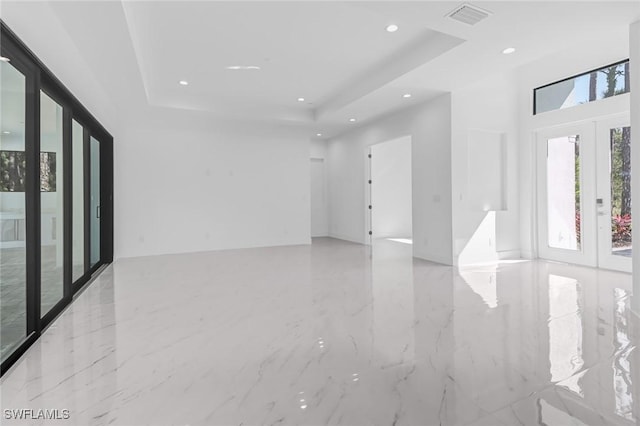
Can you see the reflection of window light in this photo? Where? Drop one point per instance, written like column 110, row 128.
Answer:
column 550, row 415
column 622, row 382
column 484, row 284
column 573, row 383
column 565, row 329
column 401, row 240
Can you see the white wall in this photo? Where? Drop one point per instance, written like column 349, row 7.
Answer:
column 590, row 55
column 445, row 211
column 485, row 228
column 429, row 125
column 318, row 149
column 187, row 183
column 59, row 52
column 183, row 180
column 391, row 189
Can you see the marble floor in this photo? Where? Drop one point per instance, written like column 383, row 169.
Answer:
column 336, row 333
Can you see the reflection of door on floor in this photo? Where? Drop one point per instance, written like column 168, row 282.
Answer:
column 584, row 194
column 390, row 190
column 319, row 213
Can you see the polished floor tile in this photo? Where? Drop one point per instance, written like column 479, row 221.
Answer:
column 336, row 333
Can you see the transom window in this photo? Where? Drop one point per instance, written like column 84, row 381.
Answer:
column 591, row 86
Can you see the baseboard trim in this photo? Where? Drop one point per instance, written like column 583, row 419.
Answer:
column 345, row 238
column 527, row 255
column 433, row 258
column 509, row 254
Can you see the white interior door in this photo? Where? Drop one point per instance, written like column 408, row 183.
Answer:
column 614, row 193
column 319, row 213
column 566, row 194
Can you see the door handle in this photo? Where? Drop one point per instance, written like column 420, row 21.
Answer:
column 98, row 212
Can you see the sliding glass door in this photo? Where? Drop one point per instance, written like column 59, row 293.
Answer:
column 13, row 230
column 95, row 201
column 56, row 183
column 78, row 266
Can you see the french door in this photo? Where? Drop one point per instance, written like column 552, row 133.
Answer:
column 584, row 198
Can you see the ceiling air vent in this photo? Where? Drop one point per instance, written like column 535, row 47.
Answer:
column 468, row 14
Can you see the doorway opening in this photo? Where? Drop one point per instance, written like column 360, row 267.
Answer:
column 319, row 213
column 390, row 191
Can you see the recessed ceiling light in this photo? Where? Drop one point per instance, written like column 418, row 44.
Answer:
column 509, row 50
column 406, row 95
column 6, row 132
column 352, row 120
column 300, row 99
column 392, row 28
column 318, row 134
column 243, row 67
column 183, row 83
column 3, row 59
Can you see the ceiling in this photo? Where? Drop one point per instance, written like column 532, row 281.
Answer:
column 336, row 55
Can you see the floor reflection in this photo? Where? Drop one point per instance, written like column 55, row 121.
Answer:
column 338, row 333
column 565, row 328
column 622, row 381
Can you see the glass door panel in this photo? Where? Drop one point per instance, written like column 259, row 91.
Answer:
column 51, row 204
column 620, row 180
column 77, row 173
column 94, row 211
column 13, row 254
column 563, row 193
column 614, row 194
column 565, row 189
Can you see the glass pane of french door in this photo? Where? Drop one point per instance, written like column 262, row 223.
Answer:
column 563, row 192
column 620, row 181
column 614, row 193
column 13, row 255
column 566, row 193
